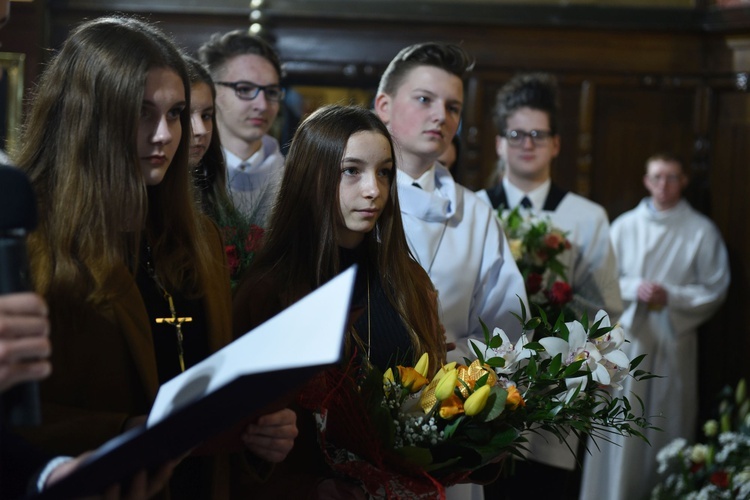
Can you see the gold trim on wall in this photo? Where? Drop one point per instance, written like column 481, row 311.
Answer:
column 12, row 65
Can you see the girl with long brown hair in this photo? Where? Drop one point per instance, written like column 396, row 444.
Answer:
column 338, row 206
column 122, row 250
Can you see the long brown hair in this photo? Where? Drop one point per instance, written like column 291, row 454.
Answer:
column 79, row 147
column 210, row 174
column 301, row 247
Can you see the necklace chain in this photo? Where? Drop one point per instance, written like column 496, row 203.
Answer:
column 175, row 320
column 369, row 337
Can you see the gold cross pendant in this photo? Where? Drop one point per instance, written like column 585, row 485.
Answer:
column 176, row 322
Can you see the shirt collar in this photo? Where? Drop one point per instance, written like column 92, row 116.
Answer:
column 537, row 196
column 234, row 162
column 426, row 181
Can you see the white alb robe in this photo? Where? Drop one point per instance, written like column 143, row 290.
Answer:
column 253, row 184
column 457, row 239
column 683, row 250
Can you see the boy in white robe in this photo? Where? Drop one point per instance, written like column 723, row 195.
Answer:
column 454, row 235
column 674, row 274
column 526, row 120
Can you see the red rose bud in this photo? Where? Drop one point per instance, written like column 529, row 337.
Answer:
column 254, row 238
column 559, row 294
column 553, row 240
column 533, row 283
column 233, row 258
column 720, row 478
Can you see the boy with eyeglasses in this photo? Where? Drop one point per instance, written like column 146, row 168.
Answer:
column 247, row 73
column 674, row 275
column 526, row 120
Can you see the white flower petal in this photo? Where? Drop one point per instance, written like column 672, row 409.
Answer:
column 555, row 346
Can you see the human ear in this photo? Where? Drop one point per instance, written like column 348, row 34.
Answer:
column 499, row 146
column 383, row 107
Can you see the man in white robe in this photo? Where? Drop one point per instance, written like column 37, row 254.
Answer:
column 454, row 236
column 526, row 120
column 674, row 274
column 247, row 74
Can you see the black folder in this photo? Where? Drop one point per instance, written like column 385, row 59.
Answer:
column 205, row 408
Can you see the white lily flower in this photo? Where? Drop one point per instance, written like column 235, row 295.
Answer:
column 512, row 354
column 610, row 341
column 617, row 373
column 575, row 349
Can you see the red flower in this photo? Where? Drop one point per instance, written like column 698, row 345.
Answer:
column 233, row 258
column 533, row 283
column 254, row 238
column 559, row 294
column 720, row 478
column 553, row 240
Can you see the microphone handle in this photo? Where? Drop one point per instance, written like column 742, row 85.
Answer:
column 19, row 405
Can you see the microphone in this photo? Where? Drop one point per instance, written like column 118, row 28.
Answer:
column 20, row 404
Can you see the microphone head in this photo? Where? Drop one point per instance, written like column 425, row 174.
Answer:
column 17, row 201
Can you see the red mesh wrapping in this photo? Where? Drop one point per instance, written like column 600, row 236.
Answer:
column 353, row 447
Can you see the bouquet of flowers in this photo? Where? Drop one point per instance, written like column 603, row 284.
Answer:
column 241, row 241
column 404, row 435
column 536, row 245
column 718, row 468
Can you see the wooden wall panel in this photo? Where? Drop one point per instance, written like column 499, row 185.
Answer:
column 631, row 124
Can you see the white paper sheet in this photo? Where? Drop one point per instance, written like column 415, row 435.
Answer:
column 308, row 333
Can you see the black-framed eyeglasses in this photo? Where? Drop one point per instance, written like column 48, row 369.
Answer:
column 518, row 137
column 247, row 91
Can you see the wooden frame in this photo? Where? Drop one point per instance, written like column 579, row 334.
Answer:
column 11, row 81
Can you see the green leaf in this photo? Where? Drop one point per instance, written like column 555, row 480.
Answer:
column 495, row 405
column 421, row 457
column 573, row 368
column 496, row 342
column 531, row 368
column 475, row 348
column 481, row 381
column 555, row 365
column 636, row 361
column 532, row 324
column 450, row 429
column 496, row 362
column 485, row 331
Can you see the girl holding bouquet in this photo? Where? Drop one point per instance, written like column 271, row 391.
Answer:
column 338, row 206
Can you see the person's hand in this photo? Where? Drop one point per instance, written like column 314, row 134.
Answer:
column 272, row 436
column 652, row 294
column 24, row 339
column 141, row 485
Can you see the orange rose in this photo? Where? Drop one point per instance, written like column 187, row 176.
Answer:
column 514, row 399
column 451, row 407
column 411, row 379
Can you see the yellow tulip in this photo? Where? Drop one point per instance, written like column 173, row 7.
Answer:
column 445, row 369
column 446, row 385
column 514, row 399
column 423, row 365
column 411, row 379
column 475, row 403
column 388, row 377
